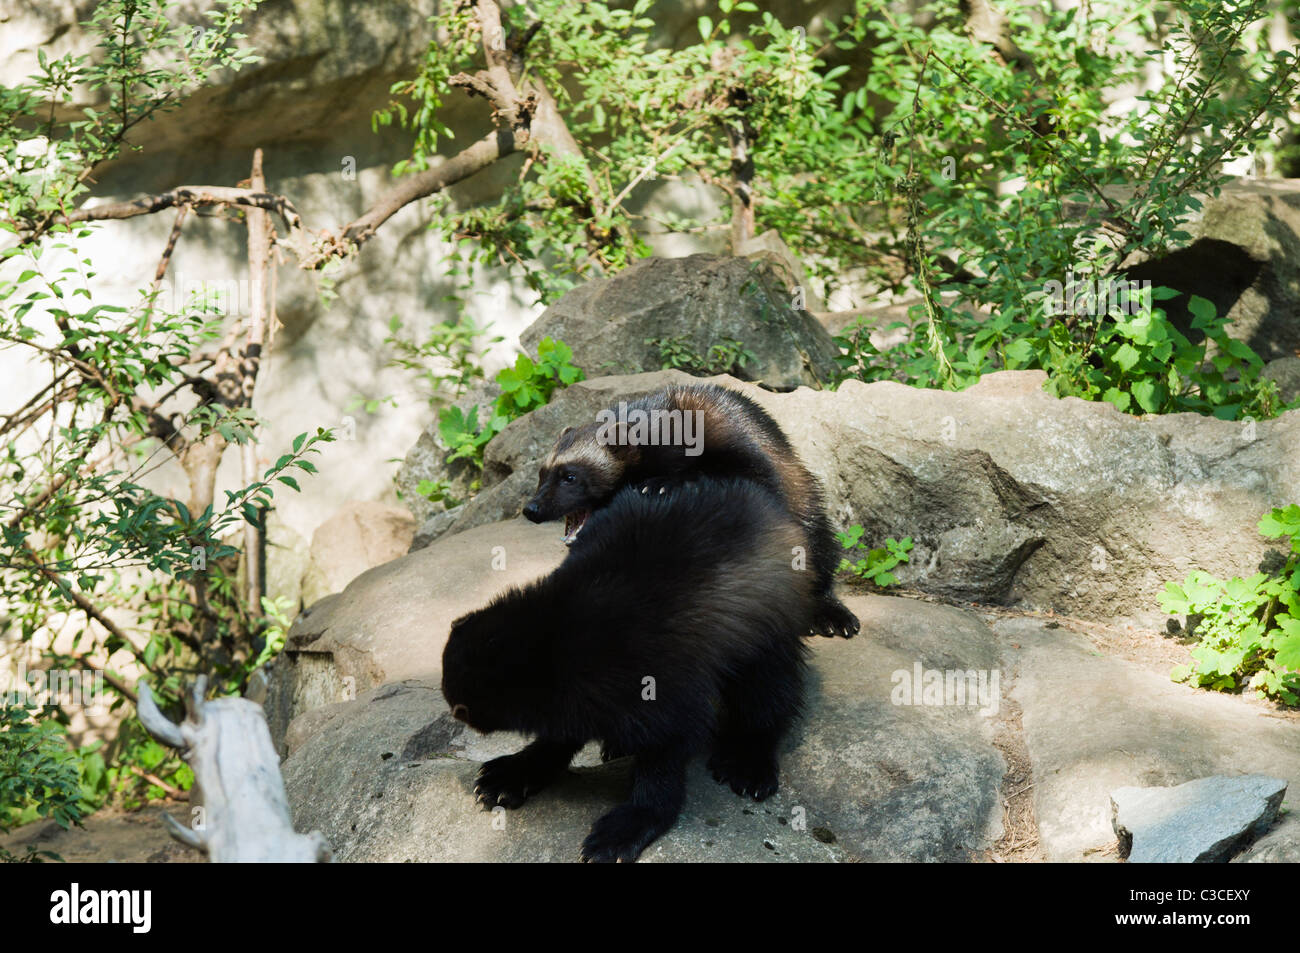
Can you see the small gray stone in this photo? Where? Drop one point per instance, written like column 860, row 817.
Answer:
column 1202, row 821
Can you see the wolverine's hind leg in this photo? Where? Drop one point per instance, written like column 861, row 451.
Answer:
column 759, row 704
column 508, row 781
column 658, row 792
column 833, row 618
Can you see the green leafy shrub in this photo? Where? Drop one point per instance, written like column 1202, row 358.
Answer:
column 929, row 166
column 1140, row 363
column 39, row 775
column 874, row 565
column 524, row 387
column 985, row 171
column 1249, row 629
column 90, row 549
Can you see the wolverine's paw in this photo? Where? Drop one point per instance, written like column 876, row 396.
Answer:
column 508, row 781
column 657, row 486
column 833, row 619
column 621, row 835
column 747, row 775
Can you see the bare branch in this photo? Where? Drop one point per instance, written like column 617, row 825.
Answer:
column 472, row 159
column 237, row 782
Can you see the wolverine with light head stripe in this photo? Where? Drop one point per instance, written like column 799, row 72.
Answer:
column 712, row 431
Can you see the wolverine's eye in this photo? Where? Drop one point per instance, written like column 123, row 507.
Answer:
column 568, row 476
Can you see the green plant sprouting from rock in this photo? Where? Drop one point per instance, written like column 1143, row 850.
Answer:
column 1248, row 628
column 874, row 564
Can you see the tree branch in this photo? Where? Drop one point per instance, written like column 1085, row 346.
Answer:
column 472, row 159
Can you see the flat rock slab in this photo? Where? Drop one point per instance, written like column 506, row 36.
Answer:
column 390, row 776
column 1202, row 821
column 1093, row 722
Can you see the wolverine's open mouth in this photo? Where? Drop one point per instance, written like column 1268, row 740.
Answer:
column 573, row 523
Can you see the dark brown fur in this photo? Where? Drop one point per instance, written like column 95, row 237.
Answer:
column 691, row 591
column 740, row 439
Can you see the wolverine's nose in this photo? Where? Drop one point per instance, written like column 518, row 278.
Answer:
column 460, row 713
column 533, row 512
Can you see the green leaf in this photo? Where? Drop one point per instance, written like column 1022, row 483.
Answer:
column 1126, row 357
column 1117, row 398
column 1148, row 394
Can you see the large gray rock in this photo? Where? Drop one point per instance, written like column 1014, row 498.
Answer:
column 390, row 775
column 1202, row 821
column 391, row 622
column 1241, row 253
column 1011, row 495
column 356, row 538
column 1285, row 372
column 1261, row 219
column 705, row 300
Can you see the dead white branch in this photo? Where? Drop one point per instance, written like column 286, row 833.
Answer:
column 244, row 815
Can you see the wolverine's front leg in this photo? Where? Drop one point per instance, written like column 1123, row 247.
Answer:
column 508, row 781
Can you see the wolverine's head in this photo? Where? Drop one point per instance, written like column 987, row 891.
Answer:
column 579, row 476
column 494, row 668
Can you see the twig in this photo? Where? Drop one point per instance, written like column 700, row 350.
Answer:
column 174, row 793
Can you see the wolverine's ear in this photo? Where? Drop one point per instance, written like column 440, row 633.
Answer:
column 565, row 432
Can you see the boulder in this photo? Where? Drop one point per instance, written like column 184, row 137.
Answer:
column 359, row 536
column 769, row 243
column 1202, row 821
column 391, row 622
column 702, row 300
column 1244, row 256
column 1012, row 496
column 435, row 526
column 1285, row 371
column 389, row 776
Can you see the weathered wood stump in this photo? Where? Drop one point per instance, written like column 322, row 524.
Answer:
column 244, row 813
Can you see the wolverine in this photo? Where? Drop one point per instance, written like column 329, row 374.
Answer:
column 673, row 626
column 679, row 434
